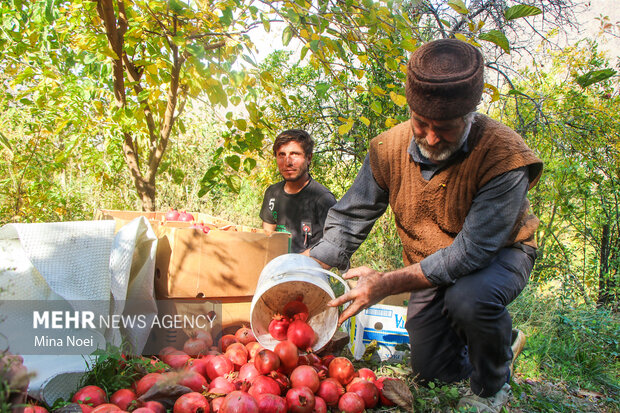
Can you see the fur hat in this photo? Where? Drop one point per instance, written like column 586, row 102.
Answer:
column 445, row 79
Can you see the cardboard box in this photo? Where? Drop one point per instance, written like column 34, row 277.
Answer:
column 383, row 323
column 192, row 264
column 225, row 262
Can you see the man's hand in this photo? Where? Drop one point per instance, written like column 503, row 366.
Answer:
column 369, row 290
column 372, row 286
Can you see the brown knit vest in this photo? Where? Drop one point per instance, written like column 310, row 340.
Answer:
column 429, row 214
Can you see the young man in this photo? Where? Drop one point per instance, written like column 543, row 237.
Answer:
column 298, row 204
column 457, row 182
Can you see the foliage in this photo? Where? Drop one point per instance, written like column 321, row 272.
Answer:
column 576, row 133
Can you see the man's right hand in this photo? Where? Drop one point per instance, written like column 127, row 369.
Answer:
column 368, row 291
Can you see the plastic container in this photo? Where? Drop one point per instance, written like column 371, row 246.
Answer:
column 283, row 279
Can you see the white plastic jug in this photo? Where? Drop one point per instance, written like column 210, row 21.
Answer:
column 285, row 278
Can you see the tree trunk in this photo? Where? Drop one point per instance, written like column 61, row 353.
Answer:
column 607, row 285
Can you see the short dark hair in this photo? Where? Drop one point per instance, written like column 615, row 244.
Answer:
column 298, row 135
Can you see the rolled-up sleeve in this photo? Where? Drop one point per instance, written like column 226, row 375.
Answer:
column 350, row 220
column 489, row 223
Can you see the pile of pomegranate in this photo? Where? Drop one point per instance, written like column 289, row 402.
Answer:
column 241, row 376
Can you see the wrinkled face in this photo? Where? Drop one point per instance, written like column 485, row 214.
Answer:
column 292, row 161
column 438, row 139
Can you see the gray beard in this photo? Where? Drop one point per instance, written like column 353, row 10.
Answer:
column 449, row 150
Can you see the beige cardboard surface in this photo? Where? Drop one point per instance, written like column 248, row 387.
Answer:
column 225, row 262
column 192, row 264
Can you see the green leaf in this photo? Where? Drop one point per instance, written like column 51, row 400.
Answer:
column 521, row 10
column 249, row 164
column 409, row 44
column 211, row 174
column 6, row 143
column 458, row 6
column 321, row 89
column 497, row 37
column 287, row 35
column 233, row 161
column 176, row 6
column 375, row 106
column 594, row 76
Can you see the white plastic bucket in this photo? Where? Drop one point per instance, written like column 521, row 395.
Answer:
column 283, row 279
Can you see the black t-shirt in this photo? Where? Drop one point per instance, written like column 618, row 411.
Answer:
column 302, row 214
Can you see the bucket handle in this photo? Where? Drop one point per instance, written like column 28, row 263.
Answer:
column 324, row 271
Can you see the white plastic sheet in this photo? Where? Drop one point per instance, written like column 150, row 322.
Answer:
column 76, row 262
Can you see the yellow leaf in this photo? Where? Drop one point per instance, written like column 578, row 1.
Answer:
column 315, row 36
column 492, row 90
column 360, row 88
column 390, row 122
column 365, row 120
column 304, row 33
column 400, row 100
column 377, row 90
column 403, row 68
column 345, row 128
column 461, row 37
column 363, row 58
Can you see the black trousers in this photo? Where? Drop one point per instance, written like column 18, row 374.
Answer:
column 464, row 330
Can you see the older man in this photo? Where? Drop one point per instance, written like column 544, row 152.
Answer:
column 457, row 182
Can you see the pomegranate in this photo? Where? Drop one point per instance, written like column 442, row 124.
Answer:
column 222, row 383
column 216, row 403
column 172, row 215
column 185, row 216
column 270, row 403
column 176, row 359
column 351, row 403
column 106, row 408
column 300, row 400
column 266, row 361
column 282, row 379
column 146, row 382
column 155, row 406
column 296, row 309
column 342, row 370
column 327, row 359
column 366, row 390
column 197, row 365
column 319, row 405
column 226, row 340
column 238, row 354
column 366, row 373
column 245, row 335
column 264, row 384
column 203, row 335
column 278, row 327
column 253, row 348
column 33, row 408
column 305, row 376
column 193, row 380
column 379, row 385
column 195, row 346
column 239, row 402
column 287, row 353
column 301, row 334
column 330, row 391
column 86, row 408
column 90, row 395
column 124, row 398
column 248, row 372
column 193, row 402
column 219, row 366
column 142, row 410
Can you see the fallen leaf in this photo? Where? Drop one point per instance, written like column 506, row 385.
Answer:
column 398, row 392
